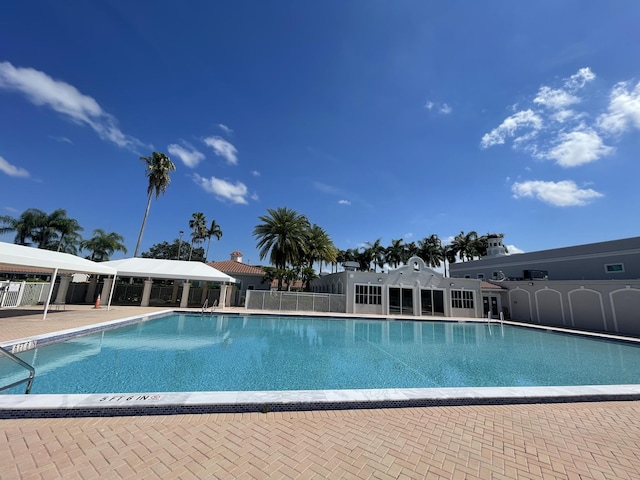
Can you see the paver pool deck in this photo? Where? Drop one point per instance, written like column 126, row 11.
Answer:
column 599, row 440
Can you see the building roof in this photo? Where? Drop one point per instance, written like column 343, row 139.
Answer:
column 484, row 285
column 233, row 267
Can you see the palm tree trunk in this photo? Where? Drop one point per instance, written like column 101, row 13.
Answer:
column 144, row 222
column 207, row 254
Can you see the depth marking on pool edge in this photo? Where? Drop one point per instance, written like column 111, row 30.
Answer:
column 130, row 398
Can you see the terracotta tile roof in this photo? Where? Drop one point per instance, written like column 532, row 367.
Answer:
column 490, row 286
column 231, row 266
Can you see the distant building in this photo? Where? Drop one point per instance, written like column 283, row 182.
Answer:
column 612, row 260
column 248, row 277
column 413, row 289
column 588, row 287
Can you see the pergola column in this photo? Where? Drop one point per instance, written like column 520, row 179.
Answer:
column 146, row 293
column 91, row 291
column 63, row 288
column 184, row 302
column 106, row 289
column 223, row 295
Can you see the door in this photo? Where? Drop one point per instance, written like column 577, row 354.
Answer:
column 490, row 304
column 432, row 302
column 400, row 301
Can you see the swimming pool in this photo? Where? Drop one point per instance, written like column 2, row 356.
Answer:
column 262, row 353
column 244, row 353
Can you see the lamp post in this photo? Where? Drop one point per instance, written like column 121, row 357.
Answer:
column 180, row 243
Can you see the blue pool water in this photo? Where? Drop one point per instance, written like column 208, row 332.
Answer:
column 243, row 353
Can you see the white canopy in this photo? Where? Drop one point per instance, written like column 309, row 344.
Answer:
column 12, row 256
column 45, row 260
column 168, row 269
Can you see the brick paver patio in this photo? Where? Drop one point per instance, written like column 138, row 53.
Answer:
column 565, row 441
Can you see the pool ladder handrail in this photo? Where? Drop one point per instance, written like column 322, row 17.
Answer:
column 205, row 305
column 22, row 363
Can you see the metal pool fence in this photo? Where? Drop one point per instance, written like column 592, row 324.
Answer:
column 295, row 301
column 17, row 294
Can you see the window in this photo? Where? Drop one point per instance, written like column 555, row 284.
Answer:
column 614, row 268
column 481, row 276
column 369, row 294
column 461, row 299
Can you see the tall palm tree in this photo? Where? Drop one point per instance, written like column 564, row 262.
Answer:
column 281, row 236
column 430, row 250
column 410, row 250
column 198, row 226
column 393, row 253
column 25, row 225
column 58, row 229
column 214, row 231
column 341, row 257
column 158, row 167
column 376, row 253
column 102, row 245
column 364, row 259
column 319, row 247
column 465, row 245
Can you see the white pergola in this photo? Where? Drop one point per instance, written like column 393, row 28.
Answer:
column 150, row 268
column 46, row 261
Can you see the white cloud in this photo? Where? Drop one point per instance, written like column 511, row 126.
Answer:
column 555, row 98
column 344, row 202
column 234, row 192
column 255, row 173
column 225, row 129
column 61, row 139
column 623, row 111
column 445, row 109
column 560, row 194
column 442, row 108
column 562, row 115
column 189, row 156
column 12, row 170
column 42, row 90
column 579, row 79
column 223, row 149
column 578, row 148
column 521, row 119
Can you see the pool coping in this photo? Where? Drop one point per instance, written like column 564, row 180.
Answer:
column 171, row 403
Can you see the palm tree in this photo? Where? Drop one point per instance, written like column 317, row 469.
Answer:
column 465, row 245
column 58, row 230
column 376, row 253
column 364, row 259
column 158, row 166
column 102, row 245
column 430, row 250
column 393, row 253
column 214, row 231
column 340, row 258
column 281, row 236
column 306, row 275
column 319, row 247
column 25, row 225
column 198, row 226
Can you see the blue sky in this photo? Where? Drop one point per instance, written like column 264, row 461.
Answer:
column 375, row 119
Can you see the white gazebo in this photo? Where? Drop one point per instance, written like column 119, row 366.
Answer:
column 47, row 261
column 150, row 268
